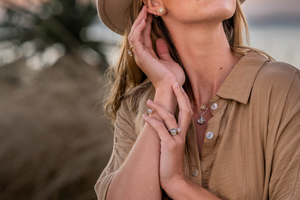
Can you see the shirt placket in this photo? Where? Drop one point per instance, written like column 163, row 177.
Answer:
column 192, row 156
column 217, row 107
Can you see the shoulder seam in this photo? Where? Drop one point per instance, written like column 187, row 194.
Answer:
column 117, row 125
column 125, row 121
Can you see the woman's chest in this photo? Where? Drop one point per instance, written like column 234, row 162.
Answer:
column 231, row 145
column 200, row 130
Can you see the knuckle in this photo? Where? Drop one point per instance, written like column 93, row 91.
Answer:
column 186, row 110
column 180, row 141
column 186, row 96
column 169, row 117
column 191, row 113
column 160, row 125
column 137, row 63
column 172, row 145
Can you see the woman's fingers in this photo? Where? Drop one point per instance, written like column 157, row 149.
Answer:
column 159, row 127
column 136, row 25
column 147, row 32
column 138, row 20
column 167, row 117
column 169, row 121
column 137, row 39
column 185, row 111
column 162, row 50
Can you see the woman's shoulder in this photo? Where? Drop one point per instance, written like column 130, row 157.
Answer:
column 277, row 75
column 274, row 71
column 276, row 82
column 125, row 123
column 125, row 109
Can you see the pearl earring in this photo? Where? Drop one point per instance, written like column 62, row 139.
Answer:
column 161, row 10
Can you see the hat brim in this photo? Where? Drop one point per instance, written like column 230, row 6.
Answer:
column 113, row 13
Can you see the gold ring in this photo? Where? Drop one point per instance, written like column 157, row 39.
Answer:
column 150, row 111
column 130, row 52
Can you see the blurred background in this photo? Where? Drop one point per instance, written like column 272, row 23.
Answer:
column 54, row 138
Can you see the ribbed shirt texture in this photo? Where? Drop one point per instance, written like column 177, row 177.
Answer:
column 252, row 146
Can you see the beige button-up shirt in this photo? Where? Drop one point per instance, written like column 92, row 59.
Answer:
column 251, row 149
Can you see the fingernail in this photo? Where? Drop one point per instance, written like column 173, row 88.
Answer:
column 182, row 89
column 149, row 101
column 177, row 84
column 144, row 116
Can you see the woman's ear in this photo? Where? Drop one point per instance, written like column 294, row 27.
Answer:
column 155, row 7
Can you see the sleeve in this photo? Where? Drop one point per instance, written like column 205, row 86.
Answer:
column 124, row 139
column 284, row 181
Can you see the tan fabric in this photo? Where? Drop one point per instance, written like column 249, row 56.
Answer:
column 254, row 153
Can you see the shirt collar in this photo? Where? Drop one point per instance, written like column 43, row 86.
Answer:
column 238, row 84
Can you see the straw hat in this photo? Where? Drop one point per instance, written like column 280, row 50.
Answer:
column 113, row 13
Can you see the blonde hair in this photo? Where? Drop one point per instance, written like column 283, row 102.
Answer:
column 129, row 81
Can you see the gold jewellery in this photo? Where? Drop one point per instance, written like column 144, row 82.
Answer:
column 130, row 52
column 172, row 131
column 201, row 119
column 160, row 11
column 203, row 107
column 150, row 111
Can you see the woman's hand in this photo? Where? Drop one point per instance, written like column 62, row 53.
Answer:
column 172, row 147
column 162, row 71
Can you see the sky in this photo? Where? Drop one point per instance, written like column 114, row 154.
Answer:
column 275, row 28
column 272, row 11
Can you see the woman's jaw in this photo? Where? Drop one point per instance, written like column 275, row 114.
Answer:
column 193, row 11
column 197, row 21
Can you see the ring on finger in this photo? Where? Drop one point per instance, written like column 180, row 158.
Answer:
column 150, row 111
column 130, row 52
column 174, row 131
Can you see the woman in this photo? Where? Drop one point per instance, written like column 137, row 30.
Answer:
column 235, row 132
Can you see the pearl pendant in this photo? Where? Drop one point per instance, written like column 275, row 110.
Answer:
column 201, row 120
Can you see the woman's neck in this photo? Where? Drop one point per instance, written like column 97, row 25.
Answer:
column 206, row 56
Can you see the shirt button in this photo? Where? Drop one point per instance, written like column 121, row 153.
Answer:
column 214, row 106
column 209, row 135
column 195, row 173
